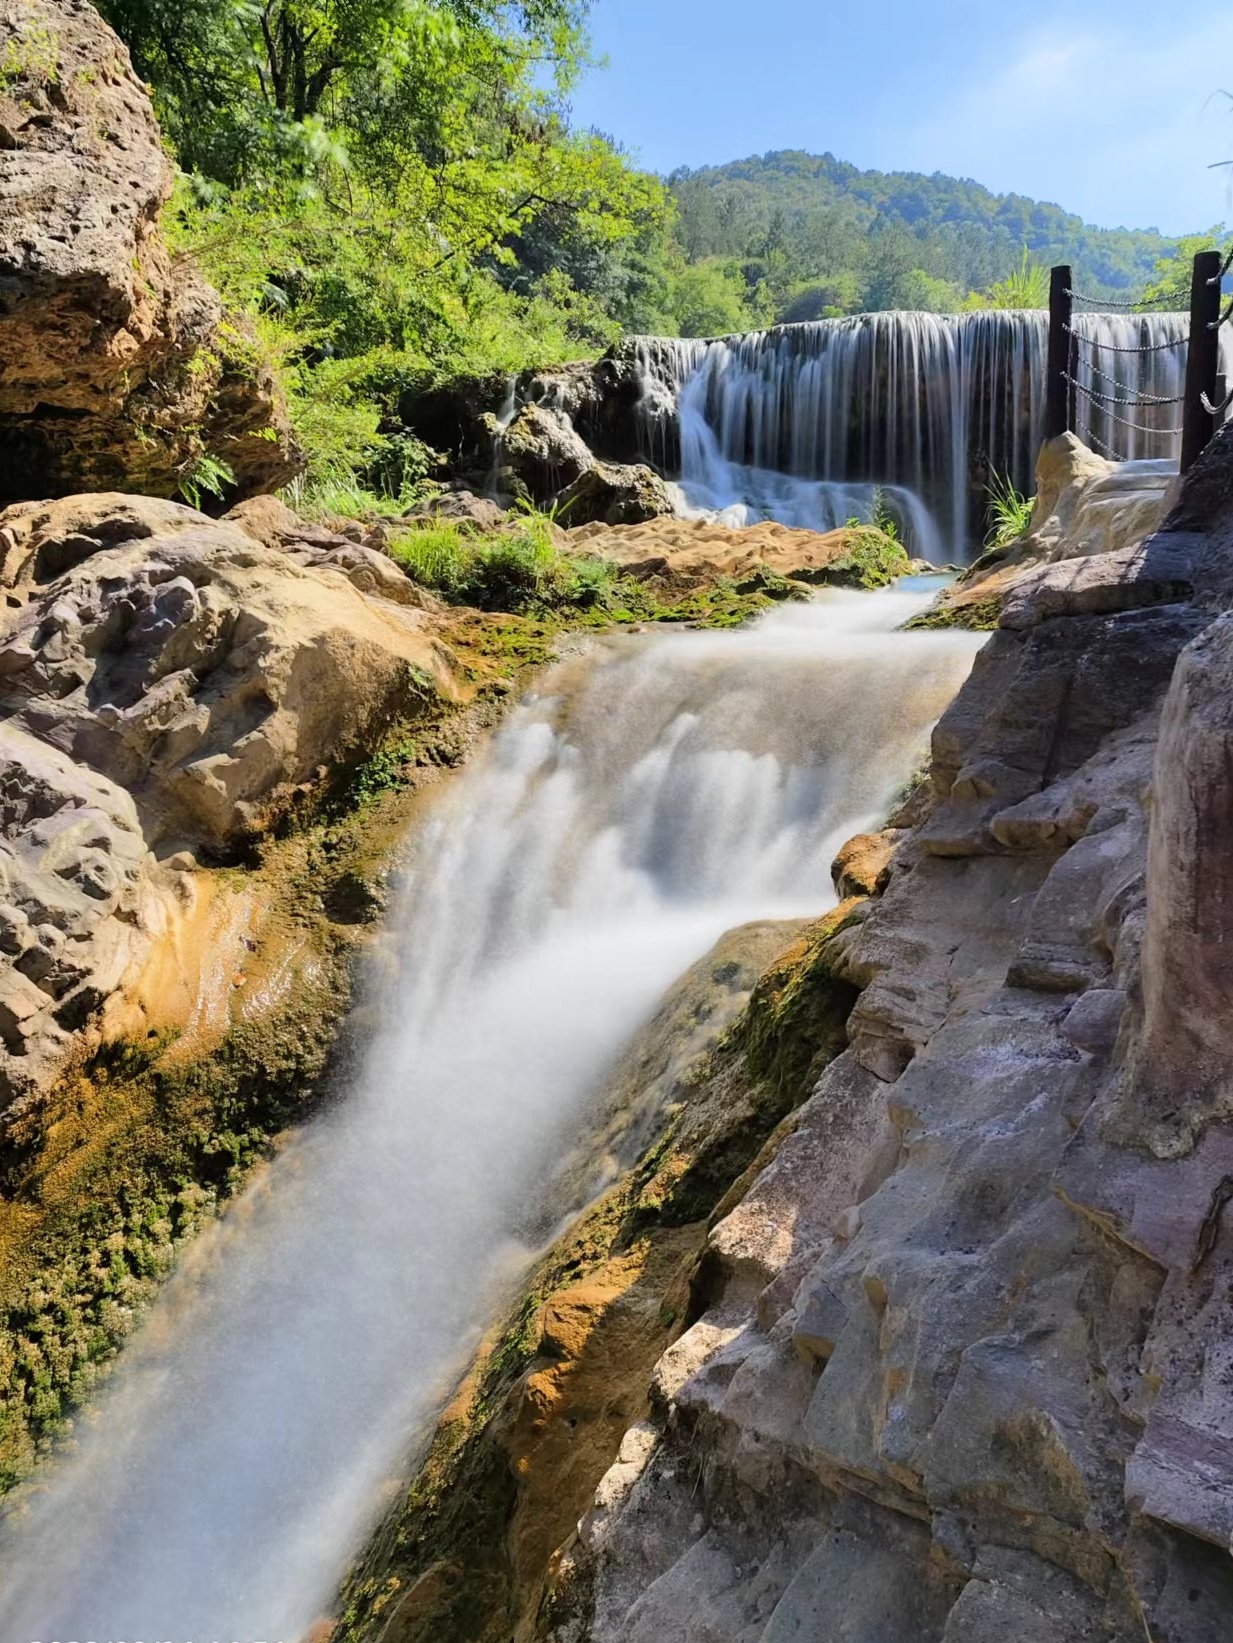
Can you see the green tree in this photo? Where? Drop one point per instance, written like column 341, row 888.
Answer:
column 1173, row 273
column 244, row 86
column 710, row 299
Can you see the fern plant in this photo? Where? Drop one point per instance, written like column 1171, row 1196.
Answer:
column 207, row 475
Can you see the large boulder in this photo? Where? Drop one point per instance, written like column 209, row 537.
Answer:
column 205, row 673
column 540, row 454
column 1185, row 1059
column 604, row 402
column 117, row 366
column 610, row 493
column 169, row 685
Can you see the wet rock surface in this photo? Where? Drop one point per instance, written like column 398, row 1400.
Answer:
column 116, row 366
column 612, row 494
column 961, row 1372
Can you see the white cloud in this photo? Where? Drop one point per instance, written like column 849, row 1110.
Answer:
column 1120, row 124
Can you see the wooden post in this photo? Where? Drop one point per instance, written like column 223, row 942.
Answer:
column 1203, row 358
column 1057, row 389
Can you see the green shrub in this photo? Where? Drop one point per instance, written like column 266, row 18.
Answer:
column 521, row 570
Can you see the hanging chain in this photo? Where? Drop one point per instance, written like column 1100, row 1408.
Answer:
column 1093, row 439
column 1111, row 302
column 1112, row 348
column 1136, row 398
column 1099, row 399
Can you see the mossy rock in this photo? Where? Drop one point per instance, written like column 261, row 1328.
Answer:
column 973, row 616
column 872, row 559
column 159, row 1143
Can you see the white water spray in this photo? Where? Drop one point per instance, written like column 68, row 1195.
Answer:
column 649, row 797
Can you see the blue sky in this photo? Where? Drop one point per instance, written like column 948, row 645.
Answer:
column 1111, row 110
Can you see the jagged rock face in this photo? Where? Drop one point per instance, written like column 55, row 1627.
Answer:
column 116, row 365
column 168, row 684
column 963, row 1371
column 541, row 453
column 602, row 402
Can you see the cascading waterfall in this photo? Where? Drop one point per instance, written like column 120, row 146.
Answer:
column 505, row 414
column 650, row 796
column 800, row 423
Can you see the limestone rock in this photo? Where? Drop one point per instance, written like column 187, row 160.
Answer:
column 609, row 494
column 1187, row 1042
column 167, row 684
column 459, row 506
column 1088, row 505
column 114, row 367
column 1156, row 572
column 1085, row 507
column 541, row 452
column 364, row 564
column 862, row 866
column 682, row 554
column 206, row 674
column 983, row 1391
column 75, row 881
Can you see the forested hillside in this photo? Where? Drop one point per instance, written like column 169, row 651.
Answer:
column 819, row 236
column 393, row 193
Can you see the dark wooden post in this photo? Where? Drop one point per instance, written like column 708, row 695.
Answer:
column 1057, row 389
column 1203, row 359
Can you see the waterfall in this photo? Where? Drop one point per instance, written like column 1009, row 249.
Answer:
column 649, row 796
column 802, row 422
column 503, row 417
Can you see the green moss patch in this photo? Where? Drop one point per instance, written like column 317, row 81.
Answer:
column 973, row 615
column 108, row 1180
column 872, row 558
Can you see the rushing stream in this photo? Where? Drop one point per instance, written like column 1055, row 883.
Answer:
column 653, row 794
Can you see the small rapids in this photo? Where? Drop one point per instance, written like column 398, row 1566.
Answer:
column 646, row 798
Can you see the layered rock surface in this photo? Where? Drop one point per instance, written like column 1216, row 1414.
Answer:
column 959, row 1370
column 685, row 554
column 169, row 685
column 117, row 364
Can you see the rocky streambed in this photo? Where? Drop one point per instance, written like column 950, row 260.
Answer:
column 873, row 1321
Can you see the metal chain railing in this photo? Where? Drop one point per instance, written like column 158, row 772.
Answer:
column 1105, row 303
column 1121, row 394
column 1083, row 388
column 1095, row 439
column 1104, row 401
column 1111, row 348
column 1136, row 399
